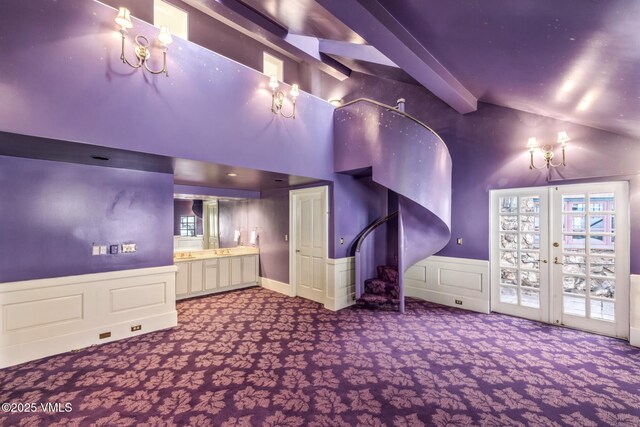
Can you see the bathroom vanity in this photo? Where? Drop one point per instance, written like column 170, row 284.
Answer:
column 215, row 270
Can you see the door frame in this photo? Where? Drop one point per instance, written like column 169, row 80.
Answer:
column 323, row 191
column 622, row 244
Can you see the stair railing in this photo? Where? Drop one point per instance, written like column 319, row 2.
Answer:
column 358, row 261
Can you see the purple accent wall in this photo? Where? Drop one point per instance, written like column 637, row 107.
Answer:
column 210, row 109
column 212, row 34
column 51, row 214
column 184, row 207
column 272, row 222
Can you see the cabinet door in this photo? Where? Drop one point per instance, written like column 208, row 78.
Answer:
column 196, row 276
column 236, row 270
column 210, row 274
column 182, row 279
column 224, row 273
column 249, row 268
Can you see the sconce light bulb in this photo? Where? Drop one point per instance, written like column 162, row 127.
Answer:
column 124, row 18
column 294, row 91
column 273, row 82
column 563, row 138
column 532, row 144
column 165, row 35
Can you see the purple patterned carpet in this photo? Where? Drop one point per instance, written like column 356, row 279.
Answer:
column 257, row 358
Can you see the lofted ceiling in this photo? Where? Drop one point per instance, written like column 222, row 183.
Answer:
column 573, row 60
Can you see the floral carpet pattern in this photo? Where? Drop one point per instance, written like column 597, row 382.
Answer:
column 258, row 358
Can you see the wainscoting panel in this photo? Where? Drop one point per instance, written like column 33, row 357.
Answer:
column 40, row 318
column 341, row 288
column 456, row 282
column 634, row 333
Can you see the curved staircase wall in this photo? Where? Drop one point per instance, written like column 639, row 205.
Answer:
column 407, row 158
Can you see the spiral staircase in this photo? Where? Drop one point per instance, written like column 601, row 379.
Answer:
column 409, row 158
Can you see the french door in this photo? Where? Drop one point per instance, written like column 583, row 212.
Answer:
column 561, row 255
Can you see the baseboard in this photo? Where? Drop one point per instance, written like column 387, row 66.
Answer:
column 340, row 284
column 276, row 286
column 445, row 280
column 44, row 317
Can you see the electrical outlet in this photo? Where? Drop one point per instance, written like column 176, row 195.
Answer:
column 342, row 241
column 286, row 237
column 104, row 335
column 113, row 249
column 459, row 301
column 103, row 249
column 136, row 328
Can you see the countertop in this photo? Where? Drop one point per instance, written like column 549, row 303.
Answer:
column 185, row 256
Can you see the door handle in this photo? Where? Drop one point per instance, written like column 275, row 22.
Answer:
column 297, row 250
column 555, row 261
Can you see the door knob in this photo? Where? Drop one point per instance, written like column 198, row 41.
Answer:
column 297, row 250
column 555, row 261
column 544, row 260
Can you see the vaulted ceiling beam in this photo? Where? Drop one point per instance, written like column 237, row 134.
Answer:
column 375, row 24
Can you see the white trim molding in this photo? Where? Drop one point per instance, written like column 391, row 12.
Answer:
column 634, row 300
column 456, row 282
column 275, row 286
column 43, row 317
column 341, row 283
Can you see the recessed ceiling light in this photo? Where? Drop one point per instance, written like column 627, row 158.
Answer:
column 100, row 158
column 232, row 174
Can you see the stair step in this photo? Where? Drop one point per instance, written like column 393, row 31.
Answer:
column 381, row 287
column 388, row 273
column 369, row 300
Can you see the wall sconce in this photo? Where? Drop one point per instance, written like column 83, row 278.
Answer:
column 277, row 98
column 547, row 151
column 142, row 49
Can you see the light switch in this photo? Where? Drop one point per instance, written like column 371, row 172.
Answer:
column 95, row 250
column 103, row 249
column 113, row 249
column 286, row 237
column 128, row 248
column 459, row 240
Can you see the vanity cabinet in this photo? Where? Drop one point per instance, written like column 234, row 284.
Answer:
column 189, row 278
column 201, row 277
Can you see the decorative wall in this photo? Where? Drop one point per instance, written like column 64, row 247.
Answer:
column 51, row 213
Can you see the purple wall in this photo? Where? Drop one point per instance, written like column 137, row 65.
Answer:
column 207, row 102
column 184, row 207
column 52, row 213
column 488, row 150
column 271, row 217
column 216, row 36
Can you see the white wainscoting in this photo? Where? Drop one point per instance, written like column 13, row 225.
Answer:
column 445, row 280
column 276, row 286
column 634, row 333
column 40, row 318
column 340, row 286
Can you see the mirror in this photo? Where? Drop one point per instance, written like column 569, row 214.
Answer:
column 209, row 222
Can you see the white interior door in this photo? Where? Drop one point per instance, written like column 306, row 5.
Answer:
column 309, row 242
column 519, row 253
column 561, row 255
column 591, row 257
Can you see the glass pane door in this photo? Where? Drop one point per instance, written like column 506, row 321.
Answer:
column 590, row 257
column 519, row 253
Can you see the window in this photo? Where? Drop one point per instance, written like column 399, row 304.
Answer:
column 188, row 225
column 164, row 13
column 272, row 66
